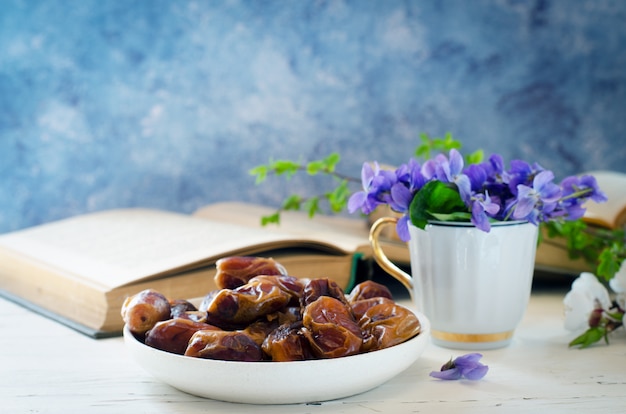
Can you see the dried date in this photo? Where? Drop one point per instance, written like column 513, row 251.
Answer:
column 288, row 343
column 259, row 330
column 224, row 345
column 293, row 286
column 316, row 288
column 388, row 324
column 235, row 271
column 235, row 308
column 173, row 335
column 331, row 329
column 369, row 289
column 361, row 306
column 272, row 317
column 143, row 310
column 179, row 307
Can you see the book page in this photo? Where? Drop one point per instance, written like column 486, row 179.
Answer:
column 347, row 233
column 350, row 234
column 118, row 247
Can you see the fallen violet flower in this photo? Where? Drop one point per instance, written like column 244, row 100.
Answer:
column 467, row 366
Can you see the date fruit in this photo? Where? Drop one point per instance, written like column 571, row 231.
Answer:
column 173, row 335
column 232, row 308
column 143, row 310
column 331, row 329
column 369, row 289
column 271, row 317
column 288, row 343
column 234, row 271
column 224, row 345
column 389, row 324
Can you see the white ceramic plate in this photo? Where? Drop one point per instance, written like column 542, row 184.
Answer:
column 279, row 382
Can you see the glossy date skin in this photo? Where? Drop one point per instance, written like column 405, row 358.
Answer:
column 369, row 289
column 143, row 310
column 361, row 306
column 259, row 330
column 288, row 343
column 179, row 307
column 292, row 286
column 316, row 288
column 387, row 324
column 236, row 308
column 224, row 345
column 331, row 329
column 235, row 271
column 173, row 335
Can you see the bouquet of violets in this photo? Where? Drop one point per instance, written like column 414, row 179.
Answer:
column 443, row 189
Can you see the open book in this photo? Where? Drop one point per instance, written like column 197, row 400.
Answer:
column 80, row 270
column 552, row 254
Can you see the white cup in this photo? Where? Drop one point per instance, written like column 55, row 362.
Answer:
column 472, row 285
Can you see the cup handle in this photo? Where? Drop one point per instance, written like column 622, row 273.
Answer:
column 382, row 259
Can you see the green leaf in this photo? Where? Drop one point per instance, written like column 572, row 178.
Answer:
column 429, row 145
column 602, row 249
column 456, row 216
column 286, row 167
column 326, row 165
column 435, row 198
column 617, row 315
column 261, row 173
column 292, row 202
column 315, row 167
column 475, row 157
column 331, row 161
column 312, row 206
column 589, row 337
column 423, row 150
column 448, row 143
column 608, row 264
column 338, row 198
column 271, row 219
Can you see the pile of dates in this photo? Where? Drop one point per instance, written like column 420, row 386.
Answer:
column 260, row 313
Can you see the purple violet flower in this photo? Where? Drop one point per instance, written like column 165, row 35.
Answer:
column 376, row 183
column 540, row 198
column 574, row 185
column 486, row 192
column 467, row 366
column 483, row 208
column 449, row 170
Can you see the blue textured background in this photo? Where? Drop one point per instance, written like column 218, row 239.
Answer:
column 168, row 104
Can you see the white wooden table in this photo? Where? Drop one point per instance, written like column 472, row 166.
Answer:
column 48, row 368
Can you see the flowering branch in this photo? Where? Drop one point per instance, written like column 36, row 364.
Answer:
column 588, row 308
column 337, row 197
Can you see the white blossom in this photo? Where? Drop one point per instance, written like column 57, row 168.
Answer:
column 618, row 283
column 585, row 293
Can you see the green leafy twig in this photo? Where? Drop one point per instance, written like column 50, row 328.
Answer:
column 603, row 249
column 337, row 196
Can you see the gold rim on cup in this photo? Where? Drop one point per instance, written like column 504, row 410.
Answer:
column 471, row 338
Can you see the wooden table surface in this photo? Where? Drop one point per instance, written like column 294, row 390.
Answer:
column 48, row 368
